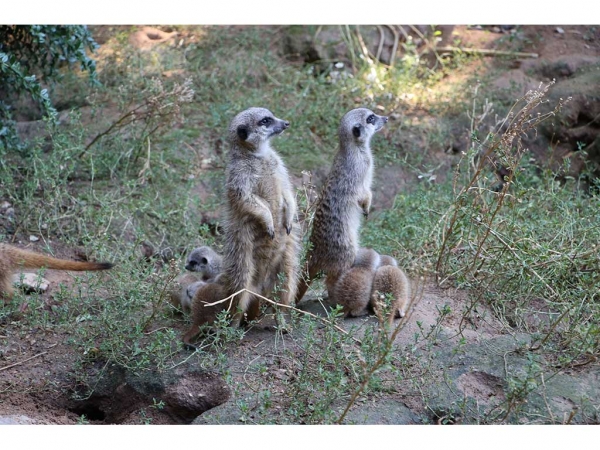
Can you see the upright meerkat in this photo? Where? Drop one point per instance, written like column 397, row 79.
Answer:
column 13, row 258
column 261, row 239
column 345, row 197
column 390, row 279
column 353, row 288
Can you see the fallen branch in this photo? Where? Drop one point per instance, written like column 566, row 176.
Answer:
column 485, row 52
column 21, row 362
column 328, row 322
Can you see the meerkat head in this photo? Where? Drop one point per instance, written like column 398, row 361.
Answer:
column 359, row 125
column 255, row 126
column 367, row 258
column 204, row 260
column 386, row 260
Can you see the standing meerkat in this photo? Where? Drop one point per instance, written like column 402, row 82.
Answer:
column 390, row 280
column 13, row 258
column 345, row 197
column 353, row 288
column 261, row 239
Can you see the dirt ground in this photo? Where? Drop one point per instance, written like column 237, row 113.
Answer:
column 35, row 364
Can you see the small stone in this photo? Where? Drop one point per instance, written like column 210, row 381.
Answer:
column 33, row 238
column 339, row 65
column 559, row 30
column 380, row 108
column 5, row 205
column 30, row 282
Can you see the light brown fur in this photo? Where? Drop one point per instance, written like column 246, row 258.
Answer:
column 13, row 258
column 206, row 315
column 185, row 288
column 346, row 196
column 391, row 280
column 353, row 288
column 261, row 239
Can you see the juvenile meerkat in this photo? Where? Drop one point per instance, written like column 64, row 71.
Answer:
column 345, row 197
column 207, row 293
column 205, row 265
column 261, row 238
column 185, row 288
column 13, row 258
column 353, row 288
column 206, row 262
column 390, row 279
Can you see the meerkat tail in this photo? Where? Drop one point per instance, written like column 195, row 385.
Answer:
column 31, row 260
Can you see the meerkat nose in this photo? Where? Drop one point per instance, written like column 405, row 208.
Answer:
column 286, row 124
column 385, row 118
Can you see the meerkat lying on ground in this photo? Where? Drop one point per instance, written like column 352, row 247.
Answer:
column 13, row 258
column 261, row 239
column 345, row 197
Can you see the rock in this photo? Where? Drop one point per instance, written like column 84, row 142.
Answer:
column 17, row 420
column 383, row 411
column 33, row 238
column 30, row 282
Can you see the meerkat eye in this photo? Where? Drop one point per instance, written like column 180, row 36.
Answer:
column 265, row 121
column 371, row 119
column 204, row 261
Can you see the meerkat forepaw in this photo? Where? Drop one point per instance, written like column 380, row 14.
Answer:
column 288, row 229
column 271, row 232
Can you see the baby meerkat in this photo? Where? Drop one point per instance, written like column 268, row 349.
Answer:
column 207, row 293
column 353, row 288
column 391, row 280
column 185, row 288
column 205, row 265
column 13, row 258
column 261, row 239
column 345, row 197
column 206, row 262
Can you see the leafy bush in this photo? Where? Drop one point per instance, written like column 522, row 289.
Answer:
column 31, row 54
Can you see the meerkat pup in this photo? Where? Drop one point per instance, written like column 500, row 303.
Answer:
column 206, row 262
column 345, row 197
column 202, row 314
column 185, row 288
column 353, row 288
column 390, row 280
column 205, row 265
column 261, row 238
column 13, row 258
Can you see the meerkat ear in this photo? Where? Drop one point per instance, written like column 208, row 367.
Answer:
column 356, row 130
column 242, row 132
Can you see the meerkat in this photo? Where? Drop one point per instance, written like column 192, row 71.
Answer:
column 353, row 288
column 184, row 290
column 345, row 197
column 205, row 265
column 207, row 293
column 261, row 239
column 206, row 262
column 13, row 258
column 390, row 279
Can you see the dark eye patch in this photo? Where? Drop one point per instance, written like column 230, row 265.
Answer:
column 265, row 121
column 371, row 119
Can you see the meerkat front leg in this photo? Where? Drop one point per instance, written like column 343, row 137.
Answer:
column 365, row 203
column 289, row 211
